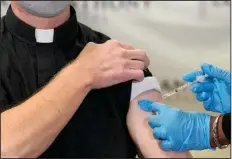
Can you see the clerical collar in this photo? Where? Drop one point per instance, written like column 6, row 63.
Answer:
column 27, row 33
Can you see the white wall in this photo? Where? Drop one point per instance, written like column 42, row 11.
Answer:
column 177, row 37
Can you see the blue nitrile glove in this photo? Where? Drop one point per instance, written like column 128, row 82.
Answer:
column 214, row 92
column 178, row 130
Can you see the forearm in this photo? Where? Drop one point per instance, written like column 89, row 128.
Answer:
column 142, row 134
column 28, row 129
column 223, row 140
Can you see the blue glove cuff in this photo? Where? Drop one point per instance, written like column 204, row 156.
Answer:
column 206, row 131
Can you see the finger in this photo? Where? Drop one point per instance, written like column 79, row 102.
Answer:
column 202, row 87
column 154, row 121
column 145, row 105
column 166, row 145
column 207, row 104
column 159, row 133
column 118, row 44
column 126, row 46
column 191, row 77
column 137, row 55
column 203, row 96
column 133, row 74
column 208, row 79
column 150, row 106
column 216, row 72
column 134, row 64
column 158, row 107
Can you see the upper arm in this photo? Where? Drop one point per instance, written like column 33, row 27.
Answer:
column 140, row 131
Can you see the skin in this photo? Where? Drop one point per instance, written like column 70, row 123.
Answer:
column 50, row 109
column 42, row 113
column 40, row 22
column 142, row 133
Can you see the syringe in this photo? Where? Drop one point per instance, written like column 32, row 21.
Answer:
column 200, row 78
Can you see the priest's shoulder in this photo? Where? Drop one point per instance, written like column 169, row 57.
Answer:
column 90, row 35
column 4, row 34
column 6, row 45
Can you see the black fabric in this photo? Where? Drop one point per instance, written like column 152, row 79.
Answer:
column 98, row 128
column 63, row 33
column 226, row 125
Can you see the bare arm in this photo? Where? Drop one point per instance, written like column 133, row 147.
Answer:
column 28, row 129
column 142, row 133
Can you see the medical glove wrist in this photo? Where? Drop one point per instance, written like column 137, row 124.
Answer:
column 178, row 130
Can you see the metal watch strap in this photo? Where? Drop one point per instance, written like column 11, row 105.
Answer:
column 215, row 134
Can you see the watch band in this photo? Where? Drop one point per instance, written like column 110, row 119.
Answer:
column 215, row 135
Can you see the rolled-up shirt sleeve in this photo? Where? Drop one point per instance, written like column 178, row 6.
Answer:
column 149, row 83
column 226, row 125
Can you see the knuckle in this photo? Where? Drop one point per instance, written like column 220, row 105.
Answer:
column 143, row 53
column 155, row 134
column 122, row 51
column 142, row 65
column 129, row 45
column 206, row 105
column 114, row 43
column 164, row 132
column 141, row 75
column 125, row 64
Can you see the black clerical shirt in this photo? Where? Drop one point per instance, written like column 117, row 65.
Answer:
column 98, row 128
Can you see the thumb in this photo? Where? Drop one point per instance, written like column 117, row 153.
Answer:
column 216, row 72
column 166, row 145
column 150, row 106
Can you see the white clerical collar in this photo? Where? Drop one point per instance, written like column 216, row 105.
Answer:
column 44, row 35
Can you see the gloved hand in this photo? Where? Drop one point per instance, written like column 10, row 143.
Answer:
column 214, row 92
column 178, row 131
